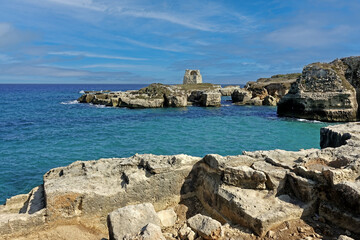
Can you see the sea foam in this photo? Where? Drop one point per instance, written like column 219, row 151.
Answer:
column 70, row 102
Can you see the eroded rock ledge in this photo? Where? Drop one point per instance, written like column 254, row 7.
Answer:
column 158, row 95
column 263, row 193
column 325, row 92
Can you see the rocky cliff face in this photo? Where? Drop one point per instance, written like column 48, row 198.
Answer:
column 276, row 194
column 325, row 91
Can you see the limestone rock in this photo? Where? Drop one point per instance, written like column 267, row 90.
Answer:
column 131, row 219
column 151, row 232
column 179, row 100
column 257, row 190
column 215, row 161
column 269, row 101
column 229, row 90
column 330, row 138
column 256, row 101
column 167, row 217
column 158, row 95
column 185, row 233
column 325, row 91
column 210, row 99
column 115, row 183
column 244, row 177
column 241, row 96
column 344, row 237
column 26, row 203
column 206, row 227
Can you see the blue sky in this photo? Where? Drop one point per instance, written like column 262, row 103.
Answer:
column 103, row 41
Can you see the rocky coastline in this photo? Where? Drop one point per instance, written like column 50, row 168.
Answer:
column 325, row 92
column 265, row 91
column 277, row 194
column 158, row 95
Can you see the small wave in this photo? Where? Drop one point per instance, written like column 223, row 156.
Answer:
column 306, row 120
column 70, row 102
column 82, row 92
column 226, row 105
column 97, row 105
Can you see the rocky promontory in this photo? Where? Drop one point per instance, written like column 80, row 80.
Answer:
column 277, row 194
column 325, row 92
column 265, row 91
column 158, row 95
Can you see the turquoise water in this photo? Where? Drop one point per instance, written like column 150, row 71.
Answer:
column 42, row 127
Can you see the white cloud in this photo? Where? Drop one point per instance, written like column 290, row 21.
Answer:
column 93, row 55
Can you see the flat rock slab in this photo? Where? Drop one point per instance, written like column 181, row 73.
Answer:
column 130, row 220
column 256, row 209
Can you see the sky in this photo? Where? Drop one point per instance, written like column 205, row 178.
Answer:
column 146, row 41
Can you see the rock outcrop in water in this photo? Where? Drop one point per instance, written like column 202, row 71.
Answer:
column 325, row 92
column 274, row 194
column 265, row 91
column 158, row 95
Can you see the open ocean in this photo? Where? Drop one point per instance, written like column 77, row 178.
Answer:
column 42, row 127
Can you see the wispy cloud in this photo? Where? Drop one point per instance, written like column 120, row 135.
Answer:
column 10, row 36
column 187, row 21
column 94, row 55
column 199, row 17
column 87, row 4
column 151, row 68
column 308, row 36
column 171, row 48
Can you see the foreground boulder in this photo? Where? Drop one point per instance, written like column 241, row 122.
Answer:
column 264, row 192
column 325, row 92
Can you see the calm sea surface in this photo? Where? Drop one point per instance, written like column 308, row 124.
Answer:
column 42, row 127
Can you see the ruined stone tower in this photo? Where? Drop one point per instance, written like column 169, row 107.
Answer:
column 192, row 77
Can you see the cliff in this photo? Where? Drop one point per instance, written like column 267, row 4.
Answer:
column 325, row 92
column 273, row 194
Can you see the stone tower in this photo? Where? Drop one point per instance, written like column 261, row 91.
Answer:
column 192, row 77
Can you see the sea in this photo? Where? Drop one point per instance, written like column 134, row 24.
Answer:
column 43, row 127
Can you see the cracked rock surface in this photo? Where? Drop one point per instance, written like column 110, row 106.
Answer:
column 263, row 194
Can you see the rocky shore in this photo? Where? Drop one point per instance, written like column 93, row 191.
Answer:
column 277, row 194
column 158, row 95
column 265, row 91
column 325, row 92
